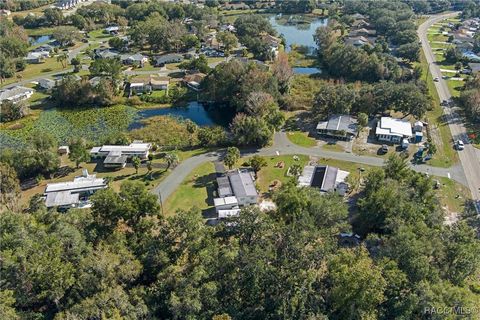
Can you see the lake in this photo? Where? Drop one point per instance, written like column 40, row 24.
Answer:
column 193, row 111
column 306, row 70
column 300, row 32
column 39, row 40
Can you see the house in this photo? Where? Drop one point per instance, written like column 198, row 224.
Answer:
column 46, row 84
column 475, row 67
column 362, row 32
column 358, row 16
column 44, row 47
column 326, row 178
column 105, row 54
column 158, row 82
column 115, row 156
column 73, row 194
column 361, row 23
column 67, row 4
column 235, row 6
column 37, row 57
column 393, row 130
column 113, row 30
column 270, row 40
column 63, row 150
column 358, row 41
column 134, row 59
column 15, row 94
column 338, row 126
column 235, row 188
column 194, row 81
column 161, row 61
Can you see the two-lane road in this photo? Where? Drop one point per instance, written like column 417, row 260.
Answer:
column 469, row 158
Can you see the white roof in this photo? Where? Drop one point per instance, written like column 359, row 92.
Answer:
column 61, row 198
column 90, row 182
column 13, row 92
column 225, row 201
column 394, row 127
column 133, row 147
column 306, row 178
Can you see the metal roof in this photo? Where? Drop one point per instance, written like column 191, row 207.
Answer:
column 242, row 183
column 394, row 127
column 339, row 122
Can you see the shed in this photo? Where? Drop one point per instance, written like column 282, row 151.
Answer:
column 418, row 126
column 63, row 150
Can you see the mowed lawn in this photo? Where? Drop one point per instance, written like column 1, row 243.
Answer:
column 302, row 139
column 197, row 190
column 37, row 69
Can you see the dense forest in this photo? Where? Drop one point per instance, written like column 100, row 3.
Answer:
column 124, row 260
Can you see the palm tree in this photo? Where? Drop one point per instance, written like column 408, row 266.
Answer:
column 62, row 58
column 296, row 170
column 171, row 159
column 136, row 163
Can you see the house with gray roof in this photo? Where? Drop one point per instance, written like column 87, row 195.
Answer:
column 338, row 126
column 235, row 188
column 325, row 178
column 160, row 61
column 134, row 59
column 73, row 194
column 16, row 94
column 46, row 84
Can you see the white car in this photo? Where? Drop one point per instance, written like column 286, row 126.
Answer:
column 459, row 145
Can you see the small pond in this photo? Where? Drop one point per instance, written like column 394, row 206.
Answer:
column 193, row 111
column 297, row 29
column 39, row 40
column 306, row 70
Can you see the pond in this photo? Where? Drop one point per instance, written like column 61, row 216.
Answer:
column 297, row 29
column 39, row 40
column 193, row 111
column 306, row 70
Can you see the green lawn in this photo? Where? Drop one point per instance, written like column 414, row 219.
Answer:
column 197, row 190
column 42, row 31
column 446, row 155
column 36, row 69
column 302, row 139
column 455, row 87
column 448, row 192
column 99, row 35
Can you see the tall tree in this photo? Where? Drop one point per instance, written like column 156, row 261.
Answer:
column 78, row 151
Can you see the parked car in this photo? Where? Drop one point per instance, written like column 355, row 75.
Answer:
column 384, row 148
column 436, row 79
column 459, row 145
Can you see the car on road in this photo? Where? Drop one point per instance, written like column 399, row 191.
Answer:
column 436, row 79
column 444, row 103
column 459, row 145
column 384, row 149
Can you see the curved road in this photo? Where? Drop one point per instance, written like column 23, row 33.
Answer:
column 283, row 146
column 470, row 157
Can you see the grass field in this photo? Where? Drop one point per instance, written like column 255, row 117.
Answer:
column 446, row 155
column 37, row 69
column 452, row 195
column 195, row 191
column 302, row 139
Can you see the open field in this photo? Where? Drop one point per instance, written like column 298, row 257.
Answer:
column 195, row 191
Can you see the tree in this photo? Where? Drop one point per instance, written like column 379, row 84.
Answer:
column 75, row 62
column 247, row 130
column 282, row 70
column 66, row 35
column 117, row 43
column 333, row 99
column 136, row 163
column 171, row 159
column 109, row 67
column 78, row 151
column 63, row 59
column 9, row 187
column 396, row 167
column 228, row 40
column 409, row 51
column 231, row 157
column 357, row 285
column 199, row 64
column 257, row 163
column 53, row 16
column 325, row 38
column 362, row 119
column 13, row 111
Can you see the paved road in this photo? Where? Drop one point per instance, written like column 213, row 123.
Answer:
column 283, row 146
column 470, row 157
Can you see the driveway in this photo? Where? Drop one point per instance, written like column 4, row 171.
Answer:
column 470, row 157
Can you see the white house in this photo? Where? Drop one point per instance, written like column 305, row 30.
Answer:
column 16, row 94
column 117, row 156
column 393, row 130
column 73, row 194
